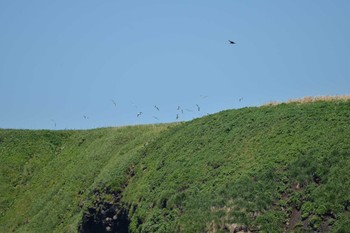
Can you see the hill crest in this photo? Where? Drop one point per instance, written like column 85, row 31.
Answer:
column 278, row 168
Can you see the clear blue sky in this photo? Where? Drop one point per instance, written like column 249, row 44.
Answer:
column 63, row 60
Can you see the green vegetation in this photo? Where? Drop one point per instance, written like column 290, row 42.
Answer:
column 277, row 168
column 47, row 177
column 251, row 167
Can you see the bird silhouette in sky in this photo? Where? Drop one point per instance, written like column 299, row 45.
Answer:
column 240, row 99
column 180, row 109
column 85, row 117
column 54, row 122
column 155, row 106
column 198, row 108
column 115, row 104
column 139, row 114
column 231, row 42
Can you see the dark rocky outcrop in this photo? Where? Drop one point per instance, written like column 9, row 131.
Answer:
column 106, row 215
column 108, row 212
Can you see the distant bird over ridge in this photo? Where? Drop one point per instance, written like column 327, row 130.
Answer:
column 231, row 42
column 115, row 104
column 139, row 114
column 155, row 106
column 180, row 109
column 54, row 122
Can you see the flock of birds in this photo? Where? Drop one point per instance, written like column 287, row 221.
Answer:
column 140, row 113
column 179, row 109
column 177, row 114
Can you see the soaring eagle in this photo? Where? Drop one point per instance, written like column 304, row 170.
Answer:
column 231, row 42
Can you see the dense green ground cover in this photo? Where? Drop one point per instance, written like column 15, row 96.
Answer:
column 282, row 168
column 262, row 168
column 46, row 177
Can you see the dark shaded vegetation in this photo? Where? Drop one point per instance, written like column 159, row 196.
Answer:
column 108, row 214
column 283, row 168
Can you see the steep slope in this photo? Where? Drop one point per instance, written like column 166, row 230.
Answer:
column 279, row 168
column 47, row 177
column 267, row 169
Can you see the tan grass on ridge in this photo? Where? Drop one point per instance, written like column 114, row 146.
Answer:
column 311, row 99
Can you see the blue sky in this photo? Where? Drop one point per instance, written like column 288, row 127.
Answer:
column 63, row 60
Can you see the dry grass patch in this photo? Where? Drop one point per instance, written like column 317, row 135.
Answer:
column 311, row 99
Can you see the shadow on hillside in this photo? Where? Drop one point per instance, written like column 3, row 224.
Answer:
column 106, row 216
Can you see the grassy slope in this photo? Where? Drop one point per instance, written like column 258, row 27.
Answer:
column 46, row 176
column 258, row 167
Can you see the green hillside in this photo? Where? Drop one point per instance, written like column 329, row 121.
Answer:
column 276, row 168
column 46, row 177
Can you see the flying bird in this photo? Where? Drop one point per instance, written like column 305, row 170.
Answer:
column 115, row 104
column 198, row 108
column 85, row 117
column 155, row 106
column 240, row 99
column 231, row 42
column 180, row 109
column 139, row 114
column 177, row 116
column 54, row 122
